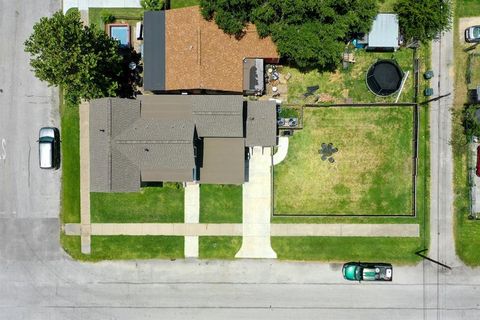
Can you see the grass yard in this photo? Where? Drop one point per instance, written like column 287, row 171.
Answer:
column 122, row 15
column 350, row 83
column 152, row 204
column 220, row 203
column 183, row 3
column 125, row 247
column 219, row 247
column 341, row 249
column 467, row 232
column 372, row 173
column 70, row 194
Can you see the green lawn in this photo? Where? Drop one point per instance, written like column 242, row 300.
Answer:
column 350, row 83
column 70, row 194
column 372, row 173
column 152, row 204
column 341, row 249
column 183, row 3
column 124, row 15
column 220, row 203
column 398, row 250
column 467, row 233
column 219, row 247
column 125, row 247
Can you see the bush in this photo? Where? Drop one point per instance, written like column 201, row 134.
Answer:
column 152, row 5
column 108, row 18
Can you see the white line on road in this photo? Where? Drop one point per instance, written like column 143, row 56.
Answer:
column 3, row 155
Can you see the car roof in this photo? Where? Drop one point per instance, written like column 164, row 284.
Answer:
column 46, row 154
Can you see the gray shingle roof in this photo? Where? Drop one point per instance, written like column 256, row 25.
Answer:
column 223, row 161
column 153, row 139
column 261, row 124
column 218, row 116
column 123, row 144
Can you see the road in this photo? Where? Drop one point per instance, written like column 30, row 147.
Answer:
column 39, row 281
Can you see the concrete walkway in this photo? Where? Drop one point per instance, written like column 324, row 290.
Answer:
column 236, row 229
column 192, row 215
column 257, row 206
column 85, row 178
column 282, row 150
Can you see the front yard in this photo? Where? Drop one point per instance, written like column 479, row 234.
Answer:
column 372, row 170
column 220, row 203
column 152, row 204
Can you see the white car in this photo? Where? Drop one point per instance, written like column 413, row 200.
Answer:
column 49, row 148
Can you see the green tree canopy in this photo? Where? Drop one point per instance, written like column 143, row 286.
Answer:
column 152, row 5
column 423, row 19
column 309, row 33
column 84, row 60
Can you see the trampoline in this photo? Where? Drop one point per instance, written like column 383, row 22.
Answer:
column 384, row 77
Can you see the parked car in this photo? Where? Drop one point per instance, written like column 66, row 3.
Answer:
column 472, row 34
column 478, row 162
column 358, row 271
column 49, row 148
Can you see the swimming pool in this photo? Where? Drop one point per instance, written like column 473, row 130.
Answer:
column 120, row 33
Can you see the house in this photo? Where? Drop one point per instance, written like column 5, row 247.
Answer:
column 175, row 138
column 184, row 52
column 384, row 35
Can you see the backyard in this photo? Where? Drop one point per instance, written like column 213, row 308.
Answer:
column 372, row 170
column 350, row 84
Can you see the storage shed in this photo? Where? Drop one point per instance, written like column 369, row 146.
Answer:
column 384, row 35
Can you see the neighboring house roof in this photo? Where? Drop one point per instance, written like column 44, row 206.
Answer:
column 261, row 130
column 223, row 160
column 174, row 138
column 154, row 50
column 196, row 54
column 384, row 32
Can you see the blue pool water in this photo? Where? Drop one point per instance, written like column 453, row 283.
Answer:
column 121, row 33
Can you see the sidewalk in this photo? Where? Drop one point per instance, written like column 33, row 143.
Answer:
column 85, row 178
column 236, row 229
column 192, row 216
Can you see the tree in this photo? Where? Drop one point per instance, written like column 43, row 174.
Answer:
column 423, row 19
column 309, row 33
column 152, row 5
column 84, row 60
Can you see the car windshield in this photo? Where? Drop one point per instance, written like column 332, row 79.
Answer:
column 358, row 273
column 476, row 32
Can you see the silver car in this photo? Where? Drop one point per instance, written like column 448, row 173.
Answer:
column 49, row 148
column 472, row 34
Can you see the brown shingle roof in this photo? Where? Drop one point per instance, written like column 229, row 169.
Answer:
column 199, row 55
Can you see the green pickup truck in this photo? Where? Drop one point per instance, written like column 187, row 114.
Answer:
column 367, row 271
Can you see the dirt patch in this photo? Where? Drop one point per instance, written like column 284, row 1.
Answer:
column 464, row 23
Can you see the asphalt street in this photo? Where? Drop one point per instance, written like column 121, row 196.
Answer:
column 39, row 281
